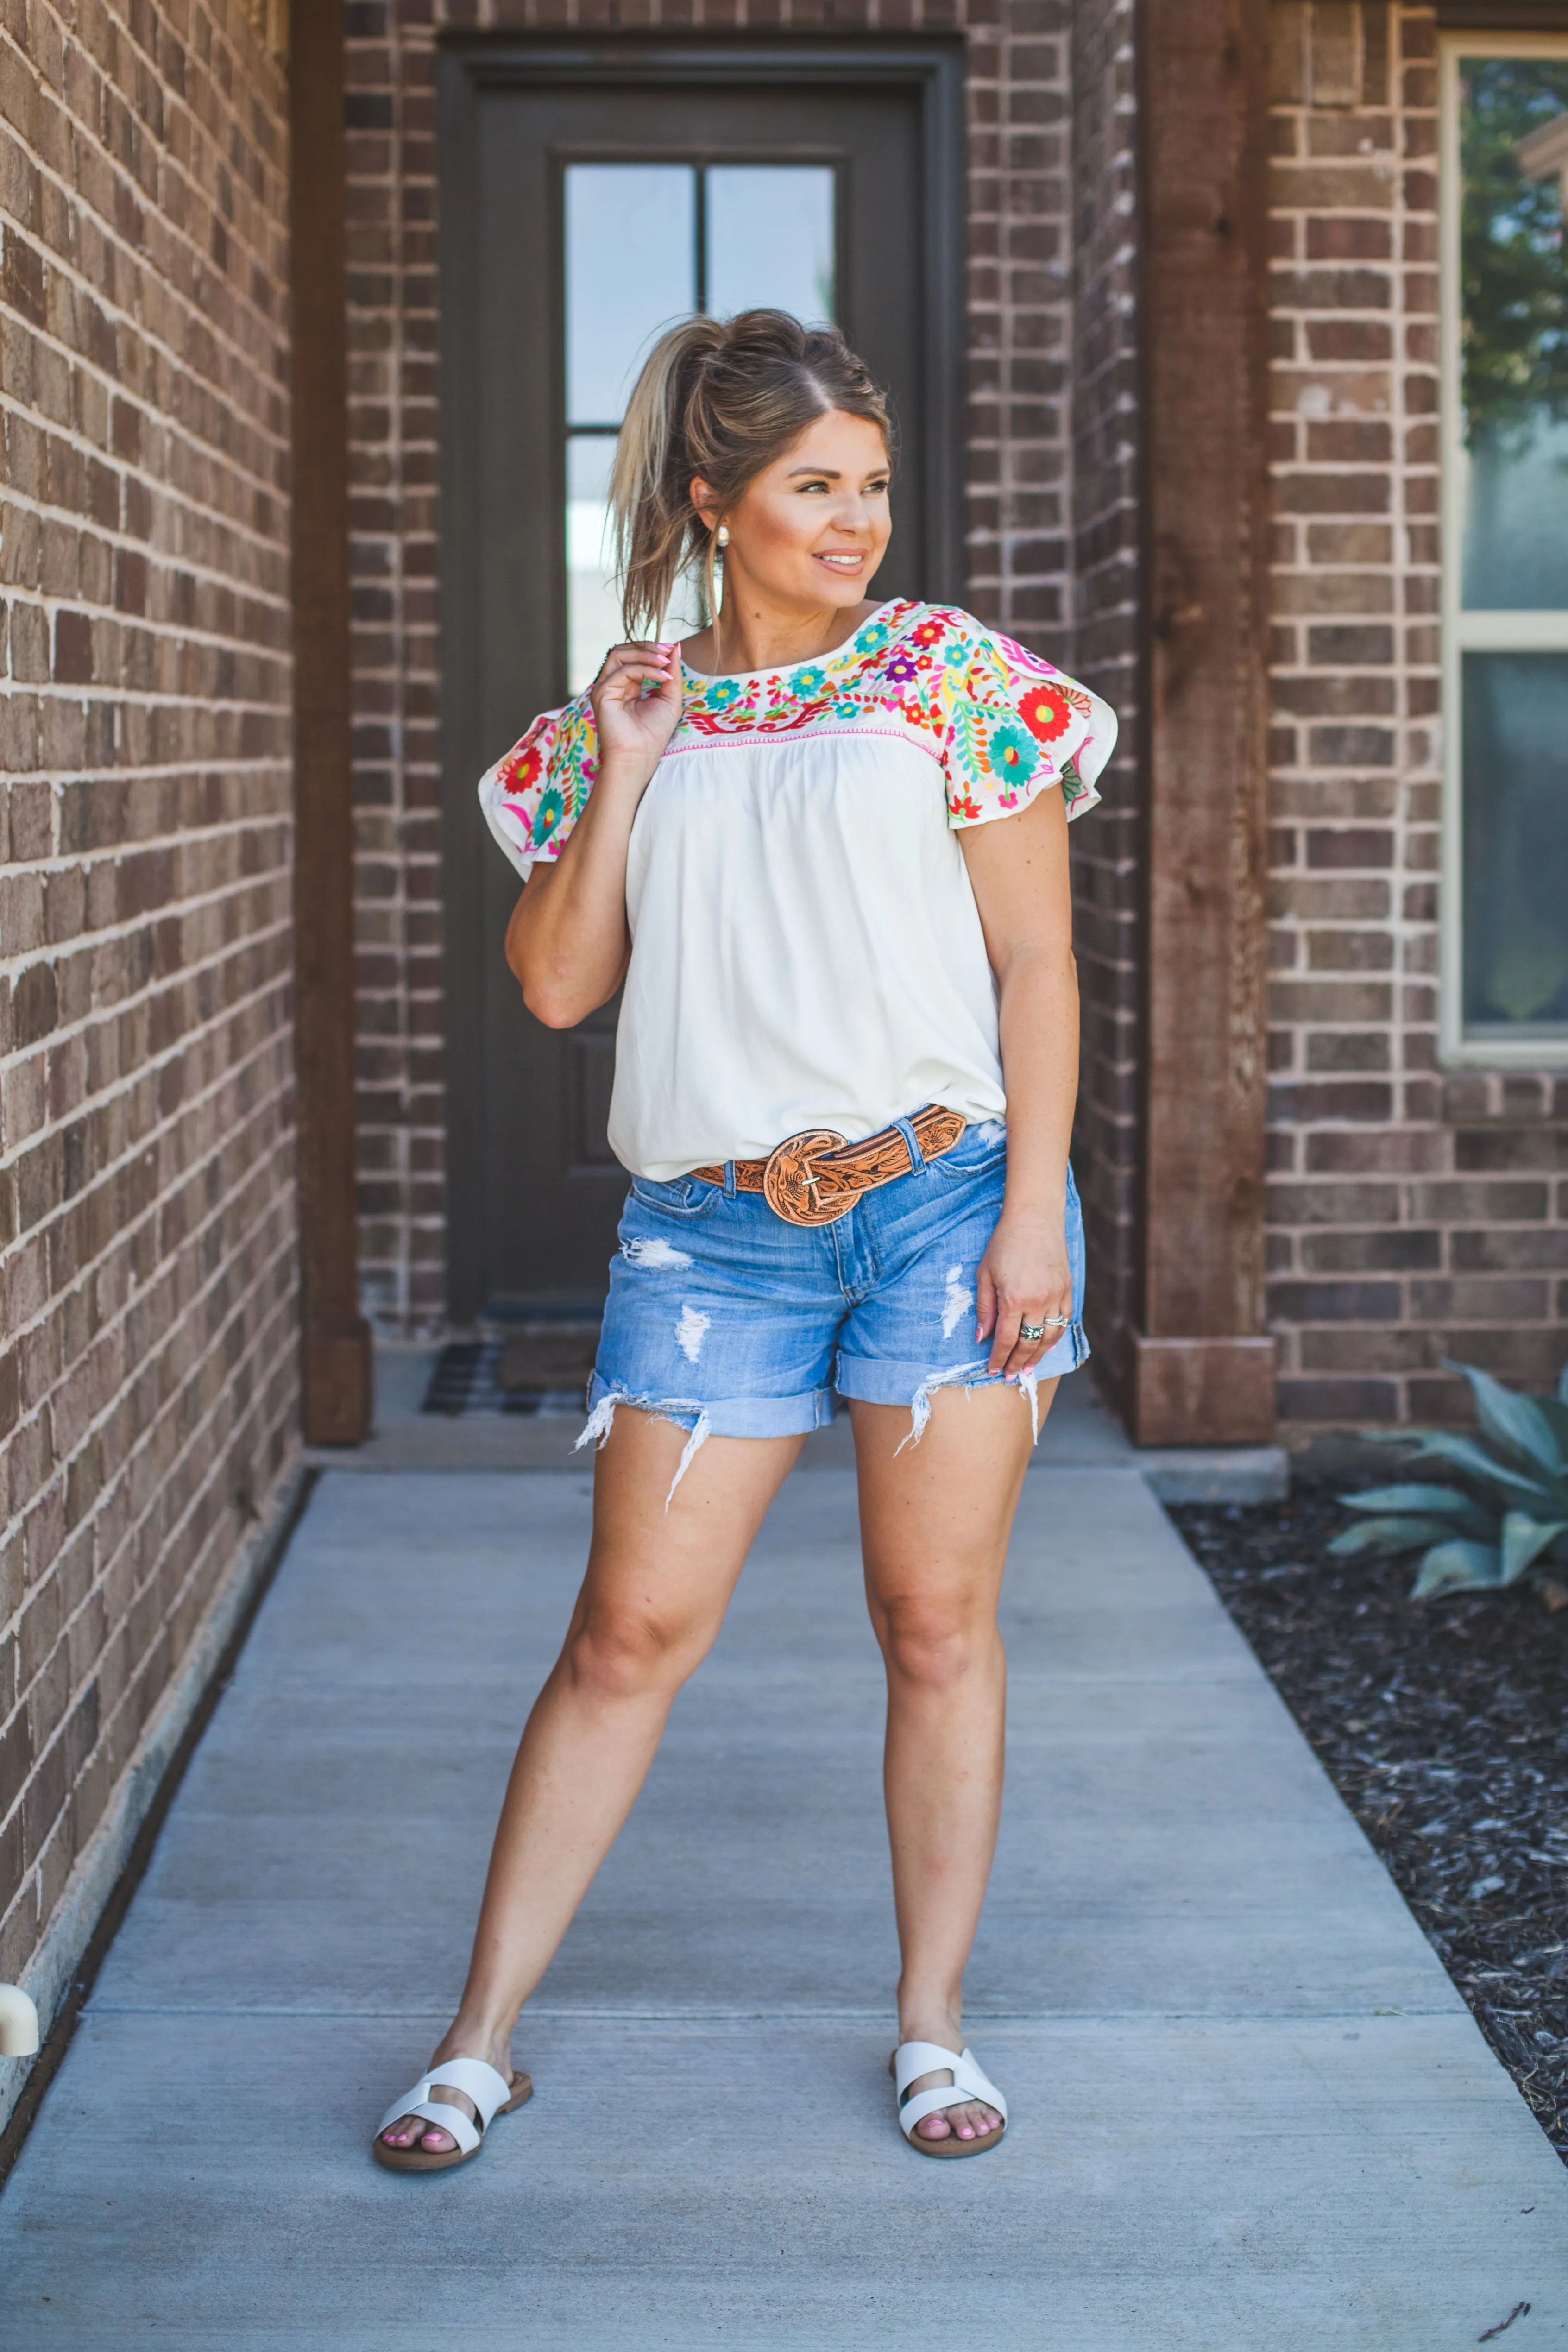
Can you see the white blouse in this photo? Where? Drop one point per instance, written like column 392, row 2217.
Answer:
column 806, row 949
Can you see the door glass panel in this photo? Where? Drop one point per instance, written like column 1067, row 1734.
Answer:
column 1513, row 271
column 631, row 268
column 1516, row 842
column 593, row 606
column 771, row 239
column 635, row 260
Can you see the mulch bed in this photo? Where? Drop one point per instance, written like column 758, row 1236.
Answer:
column 1444, row 1726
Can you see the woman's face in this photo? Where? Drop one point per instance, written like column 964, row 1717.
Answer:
column 811, row 528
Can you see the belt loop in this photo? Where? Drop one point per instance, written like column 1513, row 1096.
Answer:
column 911, row 1143
column 729, row 1180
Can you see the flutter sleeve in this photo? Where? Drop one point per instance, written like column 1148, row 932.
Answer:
column 1015, row 727
column 534, row 796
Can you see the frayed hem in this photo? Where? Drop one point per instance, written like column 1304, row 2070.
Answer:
column 969, row 1376
column 699, row 1436
column 601, row 1421
column 961, row 1376
column 597, row 1427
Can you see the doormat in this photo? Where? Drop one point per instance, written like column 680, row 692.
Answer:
column 534, row 1368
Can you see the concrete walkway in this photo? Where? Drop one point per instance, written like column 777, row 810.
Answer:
column 1249, row 2110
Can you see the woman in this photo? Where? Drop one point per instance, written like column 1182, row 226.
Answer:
column 822, row 846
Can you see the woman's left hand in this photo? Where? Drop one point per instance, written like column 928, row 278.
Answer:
column 1024, row 1277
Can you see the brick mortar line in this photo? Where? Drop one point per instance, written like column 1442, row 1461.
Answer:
column 221, row 34
column 112, row 535
column 154, row 771
column 85, row 942
column 277, row 1255
column 164, row 414
column 60, row 864
column 268, row 1339
column 123, row 542
column 130, row 927
column 150, row 1069
column 268, row 1343
column 267, row 1426
column 150, row 1141
column 62, row 861
column 273, row 1208
column 205, row 201
column 92, row 696
column 154, row 1064
column 190, row 182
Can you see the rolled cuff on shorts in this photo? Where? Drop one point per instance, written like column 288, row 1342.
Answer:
column 745, row 1416
column 871, row 1381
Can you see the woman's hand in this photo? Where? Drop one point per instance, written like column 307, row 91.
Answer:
column 1024, row 1277
column 568, row 940
column 634, row 725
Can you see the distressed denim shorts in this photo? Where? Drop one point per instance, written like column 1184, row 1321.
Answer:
column 731, row 1322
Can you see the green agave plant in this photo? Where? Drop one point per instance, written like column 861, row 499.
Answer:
column 1504, row 1511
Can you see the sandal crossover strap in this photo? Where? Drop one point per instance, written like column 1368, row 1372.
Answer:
column 913, row 2059
column 476, row 2079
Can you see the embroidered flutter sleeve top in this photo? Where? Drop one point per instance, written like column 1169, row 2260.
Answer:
column 806, row 948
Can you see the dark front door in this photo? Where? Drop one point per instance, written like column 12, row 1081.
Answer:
column 583, row 214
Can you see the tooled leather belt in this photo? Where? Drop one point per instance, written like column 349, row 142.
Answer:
column 815, row 1177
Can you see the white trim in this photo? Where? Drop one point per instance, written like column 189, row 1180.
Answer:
column 1471, row 632
column 47, row 1976
column 1511, row 633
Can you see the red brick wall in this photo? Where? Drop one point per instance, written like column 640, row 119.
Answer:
column 1019, row 516
column 1412, row 1216
column 146, row 1180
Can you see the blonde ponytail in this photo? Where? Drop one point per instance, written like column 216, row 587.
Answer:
column 720, row 400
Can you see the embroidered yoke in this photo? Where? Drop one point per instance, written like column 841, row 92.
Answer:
column 806, row 947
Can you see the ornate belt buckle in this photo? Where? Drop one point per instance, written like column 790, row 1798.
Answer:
column 789, row 1186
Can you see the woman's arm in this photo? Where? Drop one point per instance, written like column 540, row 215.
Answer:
column 1018, row 869
column 568, row 941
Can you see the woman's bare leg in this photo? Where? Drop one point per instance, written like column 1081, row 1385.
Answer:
column 652, row 1602
column 934, row 1522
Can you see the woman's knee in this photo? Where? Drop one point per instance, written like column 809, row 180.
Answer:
column 937, row 1643
column 617, row 1652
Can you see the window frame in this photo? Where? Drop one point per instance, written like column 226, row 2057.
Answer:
column 1465, row 632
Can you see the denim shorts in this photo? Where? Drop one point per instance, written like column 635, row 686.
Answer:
column 731, row 1322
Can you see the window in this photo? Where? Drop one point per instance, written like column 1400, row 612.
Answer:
column 1505, row 556
column 647, row 244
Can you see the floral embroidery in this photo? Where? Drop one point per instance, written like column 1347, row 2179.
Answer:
column 1002, row 723
column 1046, row 712
column 1010, row 753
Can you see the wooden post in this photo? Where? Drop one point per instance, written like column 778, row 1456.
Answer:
column 1202, row 1372
column 337, row 1340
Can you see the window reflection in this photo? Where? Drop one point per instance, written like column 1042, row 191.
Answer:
column 1513, row 136
column 630, row 266
column 771, row 239
column 647, row 244
column 1515, row 719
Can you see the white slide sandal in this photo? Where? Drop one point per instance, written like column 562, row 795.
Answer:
column 491, row 2093
column 913, row 2059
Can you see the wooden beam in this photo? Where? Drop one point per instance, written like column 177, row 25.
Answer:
column 1202, row 1372
column 337, row 1341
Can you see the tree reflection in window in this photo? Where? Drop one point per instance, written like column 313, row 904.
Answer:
column 1512, row 243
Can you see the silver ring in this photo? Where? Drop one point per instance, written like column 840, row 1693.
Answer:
column 1057, row 1322
column 1031, row 1330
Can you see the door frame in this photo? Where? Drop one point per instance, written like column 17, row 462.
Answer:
column 468, row 69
